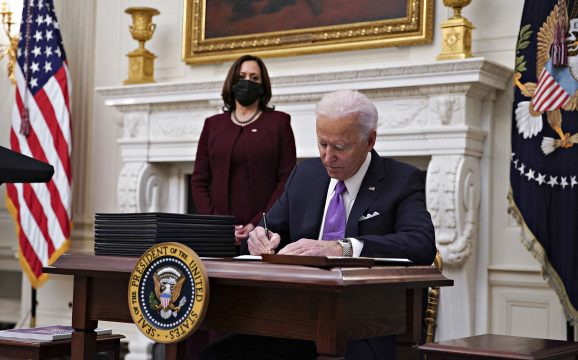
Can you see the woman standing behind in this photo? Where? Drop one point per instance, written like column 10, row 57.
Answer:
column 245, row 154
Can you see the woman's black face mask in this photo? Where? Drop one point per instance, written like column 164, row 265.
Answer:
column 247, row 92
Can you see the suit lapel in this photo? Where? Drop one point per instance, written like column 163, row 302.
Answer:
column 369, row 189
column 316, row 196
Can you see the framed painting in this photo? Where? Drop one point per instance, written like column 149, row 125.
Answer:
column 222, row 30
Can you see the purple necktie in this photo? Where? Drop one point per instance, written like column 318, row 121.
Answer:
column 334, row 227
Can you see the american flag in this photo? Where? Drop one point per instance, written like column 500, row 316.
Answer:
column 41, row 129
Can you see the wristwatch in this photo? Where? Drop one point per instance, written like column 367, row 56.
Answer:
column 346, row 247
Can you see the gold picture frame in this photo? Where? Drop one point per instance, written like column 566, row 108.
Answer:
column 222, row 30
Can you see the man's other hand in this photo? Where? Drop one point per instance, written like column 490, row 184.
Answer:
column 313, row 248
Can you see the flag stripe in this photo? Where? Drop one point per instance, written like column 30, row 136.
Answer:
column 540, row 82
column 62, row 77
column 28, row 228
column 56, row 89
column 30, row 202
column 547, row 85
column 49, row 195
column 59, row 179
column 34, row 262
column 37, row 152
column 555, row 99
column 554, row 93
column 559, row 99
column 60, row 144
column 551, row 95
column 37, row 216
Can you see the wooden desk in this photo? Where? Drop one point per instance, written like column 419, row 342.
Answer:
column 500, row 347
column 329, row 306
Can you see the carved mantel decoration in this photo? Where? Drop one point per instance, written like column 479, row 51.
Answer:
column 434, row 111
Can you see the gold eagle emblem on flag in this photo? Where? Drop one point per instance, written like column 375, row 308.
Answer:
column 557, row 74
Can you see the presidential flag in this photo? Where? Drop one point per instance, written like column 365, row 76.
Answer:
column 41, row 129
column 544, row 165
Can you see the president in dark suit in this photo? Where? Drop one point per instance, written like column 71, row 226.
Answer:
column 349, row 202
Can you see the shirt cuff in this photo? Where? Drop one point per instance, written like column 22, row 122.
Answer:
column 357, row 246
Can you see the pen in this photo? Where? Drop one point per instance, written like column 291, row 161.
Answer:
column 266, row 228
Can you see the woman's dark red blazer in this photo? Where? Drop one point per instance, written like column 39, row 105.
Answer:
column 271, row 157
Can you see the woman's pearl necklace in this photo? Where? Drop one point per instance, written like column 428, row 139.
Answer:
column 257, row 112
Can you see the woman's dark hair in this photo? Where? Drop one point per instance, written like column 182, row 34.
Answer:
column 232, row 78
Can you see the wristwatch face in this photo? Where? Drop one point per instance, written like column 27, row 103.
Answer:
column 346, row 246
column 345, row 241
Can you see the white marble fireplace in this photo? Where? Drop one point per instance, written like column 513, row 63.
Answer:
column 439, row 116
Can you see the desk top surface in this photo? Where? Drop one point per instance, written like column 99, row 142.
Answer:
column 256, row 272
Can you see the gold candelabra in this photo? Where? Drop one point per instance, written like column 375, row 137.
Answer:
column 457, row 33
column 141, row 61
column 11, row 49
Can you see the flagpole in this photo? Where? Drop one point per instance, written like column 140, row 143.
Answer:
column 33, row 309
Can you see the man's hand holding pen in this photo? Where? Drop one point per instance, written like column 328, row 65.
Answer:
column 262, row 242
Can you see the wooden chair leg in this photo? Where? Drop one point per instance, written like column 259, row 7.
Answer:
column 431, row 312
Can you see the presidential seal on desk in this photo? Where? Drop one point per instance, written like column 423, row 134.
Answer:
column 168, row 292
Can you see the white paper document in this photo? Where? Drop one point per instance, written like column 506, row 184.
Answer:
column 248, row 257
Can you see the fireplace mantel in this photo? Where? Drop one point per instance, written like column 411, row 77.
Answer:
column 428, row 109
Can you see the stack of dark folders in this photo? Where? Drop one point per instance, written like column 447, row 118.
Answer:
column 131, row 234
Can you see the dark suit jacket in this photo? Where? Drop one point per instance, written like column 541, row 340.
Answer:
column 271, row 157
column 395, row 190
column 403, row 227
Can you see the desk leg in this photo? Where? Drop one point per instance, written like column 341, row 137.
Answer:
column 83, row 345
column 406, row 343
column 176, row 351
column 330, row 342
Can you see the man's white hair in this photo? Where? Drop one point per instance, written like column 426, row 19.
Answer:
column 346, row 102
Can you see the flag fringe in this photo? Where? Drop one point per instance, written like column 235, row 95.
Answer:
column 36, row 282
column 549, row 274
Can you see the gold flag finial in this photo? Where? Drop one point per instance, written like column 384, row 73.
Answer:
column 11, row 31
